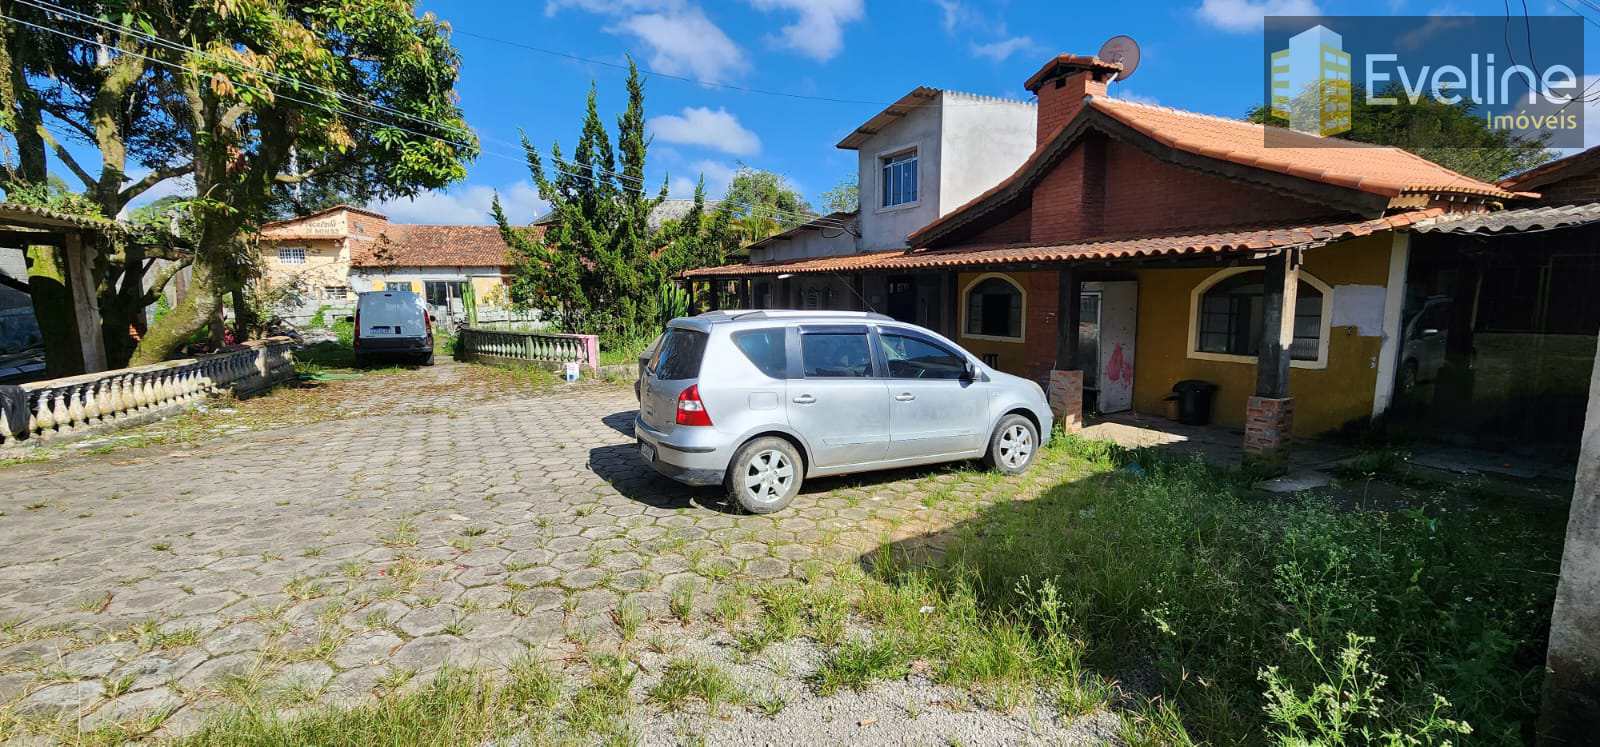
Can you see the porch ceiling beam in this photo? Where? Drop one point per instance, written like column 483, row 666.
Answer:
column 23, row 239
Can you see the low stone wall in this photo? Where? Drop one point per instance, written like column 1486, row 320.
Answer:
column 542, row 349
column 77, row 406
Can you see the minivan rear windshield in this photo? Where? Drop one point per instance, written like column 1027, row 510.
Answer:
column 681, row 351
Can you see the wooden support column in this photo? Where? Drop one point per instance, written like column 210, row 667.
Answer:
column 745, row 301
column 694, row 305
column 861, row 288
column 952, row 304
column 85, row 302
column 1066, row 378
column 1269, row 415
column 1572, row 666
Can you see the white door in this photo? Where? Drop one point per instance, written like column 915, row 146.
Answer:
column 1119, row 324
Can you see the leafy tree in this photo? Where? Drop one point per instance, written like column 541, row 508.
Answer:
column 117, row 106
column 763, row 204
column 598, row 267
column 845, row 196
column 261, row 95
column 1475, row 150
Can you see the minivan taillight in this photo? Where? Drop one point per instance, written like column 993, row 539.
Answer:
column 357, row 322
column 691, row 411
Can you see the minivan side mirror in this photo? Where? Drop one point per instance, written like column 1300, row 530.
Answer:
column 969, row 372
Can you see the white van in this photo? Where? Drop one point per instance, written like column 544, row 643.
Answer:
column 393, row 323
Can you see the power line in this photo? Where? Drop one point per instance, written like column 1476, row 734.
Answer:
column 765, row 211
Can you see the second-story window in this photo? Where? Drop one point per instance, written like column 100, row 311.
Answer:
column 292, row 255
column 899, row 178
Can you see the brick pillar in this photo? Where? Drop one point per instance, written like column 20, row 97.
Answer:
column 1066, row 399
column 1267, row 425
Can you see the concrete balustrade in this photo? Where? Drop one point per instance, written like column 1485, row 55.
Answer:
column 536, row 348
column 45, row 411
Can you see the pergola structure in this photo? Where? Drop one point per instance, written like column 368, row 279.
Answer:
column 72, row 281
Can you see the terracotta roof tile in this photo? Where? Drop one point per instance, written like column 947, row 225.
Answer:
column 1363, row 167
column 1247, row 238
column 1370, row 168
column 409, row 245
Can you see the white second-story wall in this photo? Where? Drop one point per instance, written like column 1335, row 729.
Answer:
column 887, row 227
column 984, row 140
column 965, row 144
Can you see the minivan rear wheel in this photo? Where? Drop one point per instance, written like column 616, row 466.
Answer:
column 1013, row 446
column 765, row 475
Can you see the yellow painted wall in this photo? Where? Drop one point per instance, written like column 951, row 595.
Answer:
column 327, row 263
column 1324, row 398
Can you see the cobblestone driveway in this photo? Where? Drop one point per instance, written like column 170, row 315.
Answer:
column 314, row 561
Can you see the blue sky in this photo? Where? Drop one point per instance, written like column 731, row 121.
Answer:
column 1201, row 55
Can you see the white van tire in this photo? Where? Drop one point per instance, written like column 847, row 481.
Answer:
column 1013, row 446
column 765, row 475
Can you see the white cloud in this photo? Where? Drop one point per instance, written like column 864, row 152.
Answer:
column 704, row 127
column 610, row 7
column 1137, row 98
column 819, row 32
column 953, row 13
column 466, row 205
column 1000, row 50
column 683, row 41
column 718, row 176
column 1241, row 16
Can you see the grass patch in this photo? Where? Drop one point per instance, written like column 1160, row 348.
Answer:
column 458, row 707
column 1257, row 620
column 688, row 680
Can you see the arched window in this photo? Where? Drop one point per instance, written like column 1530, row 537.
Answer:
column 994, row 308
column 1226, row 324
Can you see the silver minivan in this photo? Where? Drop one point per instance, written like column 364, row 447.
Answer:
column 757, row 401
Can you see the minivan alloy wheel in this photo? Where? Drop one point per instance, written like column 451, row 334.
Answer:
column 768, row 476
column 1016, row 446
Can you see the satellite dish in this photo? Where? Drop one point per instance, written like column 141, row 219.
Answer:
column 1122, row 49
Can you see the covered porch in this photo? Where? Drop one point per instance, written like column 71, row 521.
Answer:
column 1110, row 326
column 59, row 252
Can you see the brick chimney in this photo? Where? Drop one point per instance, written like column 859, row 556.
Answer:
column 1063, row 83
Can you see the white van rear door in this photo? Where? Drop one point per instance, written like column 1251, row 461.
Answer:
column 391, row 315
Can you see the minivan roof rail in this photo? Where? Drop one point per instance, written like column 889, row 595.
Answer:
column 745, row 315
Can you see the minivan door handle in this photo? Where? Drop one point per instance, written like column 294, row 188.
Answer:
column 904, row 397
column 804, row 399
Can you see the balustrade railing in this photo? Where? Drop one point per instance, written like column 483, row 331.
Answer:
column 533, row 347
column 76, row 405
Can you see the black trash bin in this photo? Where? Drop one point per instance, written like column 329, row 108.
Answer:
column 1194, row 401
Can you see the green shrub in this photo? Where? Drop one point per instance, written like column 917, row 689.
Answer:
column 345, row 331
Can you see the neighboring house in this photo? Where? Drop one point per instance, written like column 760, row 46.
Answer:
column 1166, row 242
column 334, row 253
column 919, row 158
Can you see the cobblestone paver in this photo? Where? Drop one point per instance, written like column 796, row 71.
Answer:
column 319, row 562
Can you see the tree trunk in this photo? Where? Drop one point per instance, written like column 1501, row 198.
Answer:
column 52, row 306
column 198, row 309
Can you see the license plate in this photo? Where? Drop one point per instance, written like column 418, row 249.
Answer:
column 647, row 451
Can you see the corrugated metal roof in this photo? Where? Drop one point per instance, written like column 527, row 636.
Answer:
column 1516, row 220
column 31, row 216
column 1241, row 239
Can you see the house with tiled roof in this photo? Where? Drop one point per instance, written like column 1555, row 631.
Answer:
column 1137, row 246
column 334, row 253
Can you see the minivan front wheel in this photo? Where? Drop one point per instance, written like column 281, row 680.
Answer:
column 1013, row 446
column 765, row 475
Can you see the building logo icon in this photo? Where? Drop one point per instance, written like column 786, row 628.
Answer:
column 1311, row 82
